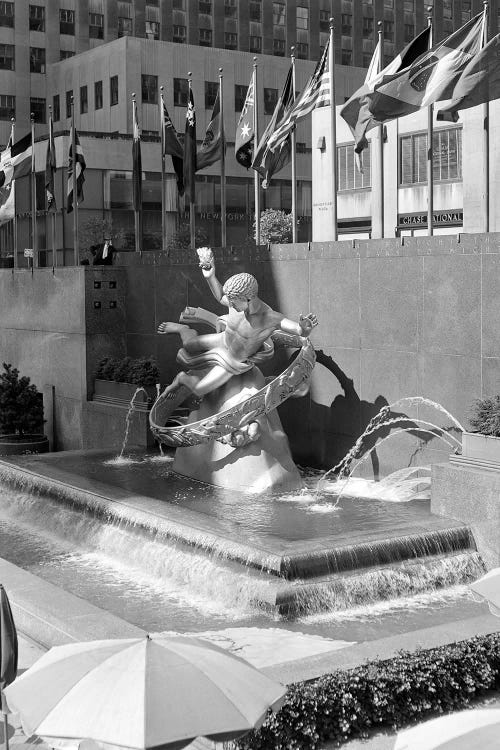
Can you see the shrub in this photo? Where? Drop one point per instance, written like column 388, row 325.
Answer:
column 409, row 687
column 486, row 416
column 21, row 404
column 276, row 226
column 181, row 239
column 142, row 371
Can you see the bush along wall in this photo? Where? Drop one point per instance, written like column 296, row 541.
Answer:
column 385, row 694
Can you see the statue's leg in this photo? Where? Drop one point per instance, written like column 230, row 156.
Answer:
column 186, row 333
column 216, row 377
column 203, row 342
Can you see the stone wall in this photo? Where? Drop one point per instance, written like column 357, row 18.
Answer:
column 418, row 318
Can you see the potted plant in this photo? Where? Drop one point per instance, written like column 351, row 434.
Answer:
column 118, row 381
column 21, row 414
column 483, row 444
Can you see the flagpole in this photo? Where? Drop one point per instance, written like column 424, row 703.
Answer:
column 163, row 206
column 430, row 160
column 486, row 120
column 137, row 209
column 380, row 200
column 33, row 195
column 75, row 189
column 223, row 225
column 333, row 132
column 53, row 213
column 255, row 142
column 14, row 232
column 192, row 189
column 293, row 140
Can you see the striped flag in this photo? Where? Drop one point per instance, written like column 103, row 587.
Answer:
column 267, row 162
column 211, row 148
column 50, row 169
column 7, row 192
column 136, row 162
column 356, row 111
column 172, row 146
column 80, row 169
column 245, row 136
column 316, row 94
column 16, row 161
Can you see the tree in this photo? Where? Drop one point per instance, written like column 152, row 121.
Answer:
column 276, row 226
column 21, row 405
column 181, row 239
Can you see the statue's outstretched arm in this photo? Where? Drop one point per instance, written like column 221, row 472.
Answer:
column 302, row 328
column 207, row 265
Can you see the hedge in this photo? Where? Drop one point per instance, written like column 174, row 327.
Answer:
column 409, row 687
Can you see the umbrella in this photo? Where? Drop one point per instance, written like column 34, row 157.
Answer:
column 476, row 729
column 8, row 653
column 488, row 588
column 140, row 693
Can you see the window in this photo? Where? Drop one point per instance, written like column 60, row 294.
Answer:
column 124, row 26
column 255, row 44
column 67, row 22
column 367, row 27
column 388, row 31
column 113, row 90
column 204, row 6
column 98, row 95
column 466, row 10
column 230, row 8
column 7, row 57
column 230, row 40
column 69, row 103
column 152, row 30
column 409, row 6
column 324, row 20
column 303, row 17
column 388, row 3
column 447, row 156
column 447, row 9
column 346, row 23
column 37, row 60
column 56, row 108
column 346, row 57
column 279, row 14
column 367, row 58
column 255, row 11
column 270, row 100
column 37, row 18
column 349, row 176
column 179, row 34
column 65, row 53
column 279, row 47
column 409, row 32
column 96, row 26
column 149, row 89
column 7, row 106
column 302, row 51
column 205, row 37
column 240, row 94
column 181, row 92
column 211, row 89
column 7, row 15
column 84, row 100
column 179, row 4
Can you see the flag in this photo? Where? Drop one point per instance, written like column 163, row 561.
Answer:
column 479, row 83
column 356, row 111
column 16, row 161
column 172, row 146
column 80, row 169
column 316, row 94
column 136, row 162
column 211, row 148
column 267, row 162
column 245, row 136
column 7, row 192
column 50, row 168
column 429, row 79
column 190, row 164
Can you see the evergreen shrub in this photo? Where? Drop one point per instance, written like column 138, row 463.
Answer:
column 141, row 371
column 21, row 404
column 486, row 416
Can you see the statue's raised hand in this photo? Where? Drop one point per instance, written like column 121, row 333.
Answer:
column 207, row 262
column 307, row 323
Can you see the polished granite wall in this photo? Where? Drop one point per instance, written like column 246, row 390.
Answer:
column 397, row 319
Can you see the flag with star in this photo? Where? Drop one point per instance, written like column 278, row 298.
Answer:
column 245, row 136
column 268, row 162
column 50, row 169
column 172, row 146
column 190, row 162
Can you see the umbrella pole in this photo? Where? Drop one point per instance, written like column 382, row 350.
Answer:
column 5, row 722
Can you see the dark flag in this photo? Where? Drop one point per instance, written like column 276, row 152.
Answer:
column 190, row 163
column 478, row 84
column 267, row 162
column 80, row 169
column 245, row 136
column 211, row 148
column 8, row 644
column 172, row 146
column 136, row 163
column 16, row 161
column 50, row 169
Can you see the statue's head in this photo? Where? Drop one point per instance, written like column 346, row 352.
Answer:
column 241, row 286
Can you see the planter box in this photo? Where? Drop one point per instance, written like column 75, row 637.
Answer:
column 11, row 445
column 121, row 394
column 479, row 451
